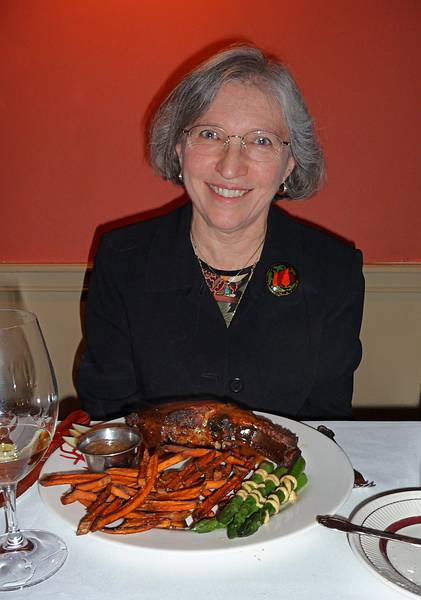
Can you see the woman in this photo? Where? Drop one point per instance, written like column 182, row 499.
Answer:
column 227, row 296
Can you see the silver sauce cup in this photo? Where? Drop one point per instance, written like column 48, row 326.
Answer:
column 109, row 435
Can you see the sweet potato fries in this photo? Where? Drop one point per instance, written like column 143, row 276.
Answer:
column 172, row 488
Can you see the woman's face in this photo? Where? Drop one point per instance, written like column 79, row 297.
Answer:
column 231, row 192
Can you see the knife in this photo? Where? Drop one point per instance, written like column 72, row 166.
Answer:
column 77, row 416
column 342, row 524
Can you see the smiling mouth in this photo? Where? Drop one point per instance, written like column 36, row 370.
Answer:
column 227, row 193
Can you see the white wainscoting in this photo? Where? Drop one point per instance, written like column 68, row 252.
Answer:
column 55, row 294
column 389, row 375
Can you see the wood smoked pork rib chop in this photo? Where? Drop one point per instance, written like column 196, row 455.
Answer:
column 208, row 423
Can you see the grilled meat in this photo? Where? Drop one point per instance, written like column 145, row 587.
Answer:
column 208, row 423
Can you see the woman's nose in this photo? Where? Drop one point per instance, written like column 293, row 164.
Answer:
column 233, row 161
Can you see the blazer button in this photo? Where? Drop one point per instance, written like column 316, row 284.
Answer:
column 236, row 385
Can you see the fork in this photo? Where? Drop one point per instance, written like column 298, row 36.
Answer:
column 359, row 480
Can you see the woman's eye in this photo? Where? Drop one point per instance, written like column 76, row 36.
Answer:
column 208, row 134
column 263, row 141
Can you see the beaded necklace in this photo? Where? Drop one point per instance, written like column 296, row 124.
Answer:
column 226, row 283
column 227, row 290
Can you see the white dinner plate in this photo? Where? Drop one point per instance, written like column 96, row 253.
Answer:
column 396, row 563
column 330, row 477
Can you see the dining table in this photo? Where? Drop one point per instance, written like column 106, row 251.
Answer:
column 316, row 563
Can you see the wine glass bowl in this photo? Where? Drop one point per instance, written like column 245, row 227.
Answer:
column 28, row 416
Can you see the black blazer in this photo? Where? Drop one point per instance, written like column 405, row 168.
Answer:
column 154, row 331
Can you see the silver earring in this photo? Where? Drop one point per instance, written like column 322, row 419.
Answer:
column 180, row 177
column 283, row 189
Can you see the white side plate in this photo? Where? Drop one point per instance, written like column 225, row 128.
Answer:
column 396, row 563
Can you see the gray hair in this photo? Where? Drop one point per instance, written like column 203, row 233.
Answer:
column 193, row 95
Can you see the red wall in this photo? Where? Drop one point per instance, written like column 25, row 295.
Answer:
column 78, row 76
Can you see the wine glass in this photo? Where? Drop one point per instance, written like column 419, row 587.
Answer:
column 28, row 415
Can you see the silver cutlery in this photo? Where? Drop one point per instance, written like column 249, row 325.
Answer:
column 342, row 524
column 359, row 480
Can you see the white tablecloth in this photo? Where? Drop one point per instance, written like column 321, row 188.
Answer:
column 317, row 563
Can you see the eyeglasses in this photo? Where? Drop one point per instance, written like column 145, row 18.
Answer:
column 212, row 141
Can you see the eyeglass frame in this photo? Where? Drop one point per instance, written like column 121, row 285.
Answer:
column 227, row 139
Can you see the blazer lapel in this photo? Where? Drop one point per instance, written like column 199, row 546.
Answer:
column 173, row 266
column 282, row 246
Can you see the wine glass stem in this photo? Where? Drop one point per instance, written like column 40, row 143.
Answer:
column 15, row 540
